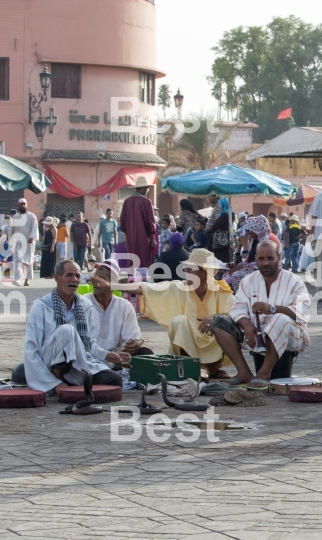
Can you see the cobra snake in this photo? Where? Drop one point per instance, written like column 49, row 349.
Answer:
column 87, row 406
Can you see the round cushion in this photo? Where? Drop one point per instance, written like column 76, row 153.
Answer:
column 102, row 393
column 19, row 398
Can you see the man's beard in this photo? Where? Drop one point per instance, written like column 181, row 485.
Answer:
column 269, row 271
column 22, row 210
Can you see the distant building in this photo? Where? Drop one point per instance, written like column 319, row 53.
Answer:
column 295, row 155
column 235, row 135
column 96, row 51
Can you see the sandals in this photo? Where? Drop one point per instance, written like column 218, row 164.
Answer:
column 259, row 385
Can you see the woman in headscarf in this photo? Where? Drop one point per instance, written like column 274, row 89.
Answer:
column 258, row 230
column 187, row 216
column 220, row 233
column 172, row 258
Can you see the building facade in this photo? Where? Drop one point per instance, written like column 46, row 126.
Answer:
column 99, row 110
column 296, row 156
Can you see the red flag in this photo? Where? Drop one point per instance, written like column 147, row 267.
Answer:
column 287, row 113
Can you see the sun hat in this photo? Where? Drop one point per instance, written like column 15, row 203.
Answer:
column 21, row 201
column 142, row 182
column 112, row 265
column 241, row 215
column 201, row 257
column 49, row 221
column 283, row 214
column 295, row 218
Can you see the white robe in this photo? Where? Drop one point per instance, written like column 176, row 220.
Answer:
column 115, row 325
column 25, row 225
column 287, row 290
column 38, row 346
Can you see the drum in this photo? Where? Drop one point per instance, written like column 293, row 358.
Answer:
column 283, row 386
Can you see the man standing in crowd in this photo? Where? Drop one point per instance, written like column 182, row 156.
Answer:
column 215, row 213
column 275, row 225
column 60, row 341
column 107, row 234
column 23, row 233
column 81, row 237
column 70, row 247
column 284, row 219
column 138, row 223
column 292, row 243
column 316, row 242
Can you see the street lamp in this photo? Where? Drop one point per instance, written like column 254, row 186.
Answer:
column 34, row 104
column 40, row 128
column 178, row 100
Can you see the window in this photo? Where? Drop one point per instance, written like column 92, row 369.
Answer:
column 147, row 88
column 65, row 81
column 4, row 78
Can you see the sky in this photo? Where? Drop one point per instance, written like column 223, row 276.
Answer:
column 188, row 29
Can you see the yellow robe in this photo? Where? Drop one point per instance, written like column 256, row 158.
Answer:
column 178, row 310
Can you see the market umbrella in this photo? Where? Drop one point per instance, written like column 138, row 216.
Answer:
column 16, row 175
column 305, row 195
column 226, row 181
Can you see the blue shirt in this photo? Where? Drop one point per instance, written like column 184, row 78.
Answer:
column 107, row 227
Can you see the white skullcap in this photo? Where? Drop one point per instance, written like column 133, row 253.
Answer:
column 112, row 265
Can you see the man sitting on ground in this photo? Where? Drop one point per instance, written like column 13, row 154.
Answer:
column 282, row 302
column 60, row 341
column 116, row 326
column 183, row 307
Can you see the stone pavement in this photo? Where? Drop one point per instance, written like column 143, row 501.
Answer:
column 62, row 477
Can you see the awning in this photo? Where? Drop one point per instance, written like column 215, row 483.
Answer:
column 124, row 177
column 295, row 141
column 63, row 187
column 137, row 158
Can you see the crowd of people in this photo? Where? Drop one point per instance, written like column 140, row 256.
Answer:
column 71, row 236
column 213, row 280
column 67, row 333
column 148, row 237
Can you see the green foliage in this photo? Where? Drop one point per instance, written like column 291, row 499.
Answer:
column 196, row 150
column 270, row 69
column 164, row 97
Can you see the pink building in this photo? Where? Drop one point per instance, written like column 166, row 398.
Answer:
column 99, row 113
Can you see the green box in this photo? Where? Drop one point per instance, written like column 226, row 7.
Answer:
column 145, row 369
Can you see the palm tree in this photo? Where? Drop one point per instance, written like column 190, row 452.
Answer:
column 164, row 97
column 195, row 150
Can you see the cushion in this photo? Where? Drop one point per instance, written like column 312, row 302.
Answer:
column 306, row 394
column 102, row 393
column 19, row 398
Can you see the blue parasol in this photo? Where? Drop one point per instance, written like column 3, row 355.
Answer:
column 226, row 181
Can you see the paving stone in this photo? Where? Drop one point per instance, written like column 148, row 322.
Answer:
column 62, row 477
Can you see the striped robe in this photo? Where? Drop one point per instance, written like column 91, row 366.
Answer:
column 287, row 290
